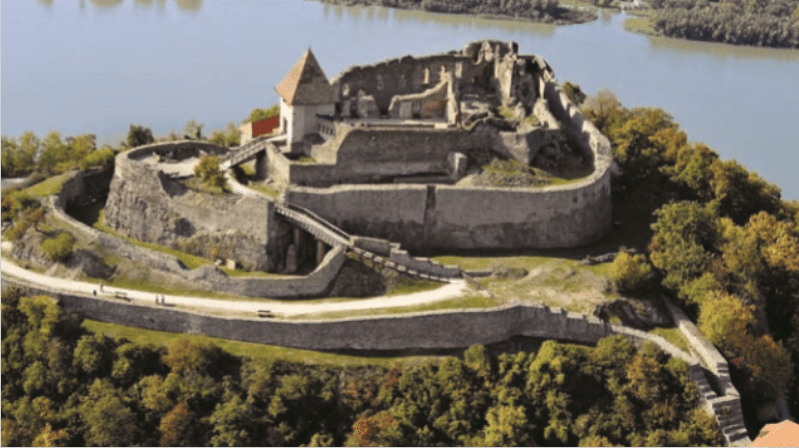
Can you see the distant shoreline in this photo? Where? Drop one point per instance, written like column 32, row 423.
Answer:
column 565, row 15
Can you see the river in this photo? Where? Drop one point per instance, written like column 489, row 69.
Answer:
column 99, row 65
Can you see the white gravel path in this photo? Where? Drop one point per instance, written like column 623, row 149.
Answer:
column 278, row 307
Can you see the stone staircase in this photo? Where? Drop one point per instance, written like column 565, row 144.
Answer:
column 398, row 260
column 726, row 409
column 243, row 153
column 730, row 418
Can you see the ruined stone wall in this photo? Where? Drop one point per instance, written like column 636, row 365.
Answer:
column 447, row 329
column 86, row 186
column 146, row 204
column 377, row 153
column 402, row 76
column 439, row 217
column 446, row 217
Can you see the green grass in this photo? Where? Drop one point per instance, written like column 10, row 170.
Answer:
column 506, row 113
column 265, row 189
column 50, row 186
column 196, row 184
column 640, row 24
column 191, row 261
column 408, row 285
column 673, row 335
column 255, row 351
column 483, row 263
column 474, row 301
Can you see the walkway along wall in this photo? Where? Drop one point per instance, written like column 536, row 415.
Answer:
column 315, row 284
column 432, row 330
column 439, row 217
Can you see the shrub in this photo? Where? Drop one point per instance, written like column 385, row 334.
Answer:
column 59, row 248
column 630, row 273
column 100, row 157
column 208, row 170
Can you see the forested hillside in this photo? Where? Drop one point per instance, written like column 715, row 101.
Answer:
column 64, row 385
column 744, row 22
column 537, row 10
column 725, row 244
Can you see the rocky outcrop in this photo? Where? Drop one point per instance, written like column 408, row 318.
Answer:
column 146, row 204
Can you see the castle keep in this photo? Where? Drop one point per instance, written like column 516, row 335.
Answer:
column 389, row 154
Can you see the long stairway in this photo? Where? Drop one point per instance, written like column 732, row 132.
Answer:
column 332, row 235
column 246, row 152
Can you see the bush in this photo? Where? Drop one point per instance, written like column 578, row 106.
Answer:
column 59, row 248
column 100, row 157
column 208, row 170
column 630, row 273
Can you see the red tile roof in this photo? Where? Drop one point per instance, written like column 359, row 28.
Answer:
column 306, row 83
column 785, row 433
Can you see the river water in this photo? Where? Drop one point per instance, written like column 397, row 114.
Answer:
column 99, row 65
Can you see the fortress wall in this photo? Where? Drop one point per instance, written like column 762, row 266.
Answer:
column 399, row 76
column 445, row 329
column 504, row 218
column 371, row 154
column 86, row 186
column 392, row 212
column 279, row 165
column 315, row 284
column 443, row 217
column 146, row 204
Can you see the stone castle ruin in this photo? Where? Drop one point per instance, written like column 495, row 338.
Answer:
column 381, row 161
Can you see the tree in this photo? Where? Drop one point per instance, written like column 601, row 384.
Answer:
column 54, row 152
column 381, row 429
column 193, row 130
column 259, row 114
column 574, row 93
column 723, row 316
column 231, row 420
column 108, row 421
column 208, row 170
column 101, row 157
column 507, row 426
column 59, row 249
column 630, row 274
column 741, row 193
column 177, row 427
column 685, row 242
column 139, row 136
column 605, row 111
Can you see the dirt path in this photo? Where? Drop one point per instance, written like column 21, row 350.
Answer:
column 279, row 308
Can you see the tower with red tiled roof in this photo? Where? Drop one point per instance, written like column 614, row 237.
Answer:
column 305, row 93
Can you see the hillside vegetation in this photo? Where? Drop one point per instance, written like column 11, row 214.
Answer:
column 725, row 244
column 64, row 385
column 743, row 22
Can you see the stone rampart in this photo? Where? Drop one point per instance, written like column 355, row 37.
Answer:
column 431, row 330
column 440, row 217
column 445, row 329
column 726, row 405
column 146, row 204
column 425, row 218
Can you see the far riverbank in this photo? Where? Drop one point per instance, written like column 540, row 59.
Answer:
column 538, row 11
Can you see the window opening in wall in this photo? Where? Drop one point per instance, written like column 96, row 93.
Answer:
column 345, row 89
column 379, row 82
column 402, row 80
column 426, row 79
column 459, row 69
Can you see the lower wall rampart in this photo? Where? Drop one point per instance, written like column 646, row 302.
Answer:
column 439, row 217
column 432, row 330
column 315, row 284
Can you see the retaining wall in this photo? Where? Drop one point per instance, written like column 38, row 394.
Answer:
column 440, row 217
column 146, row 204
